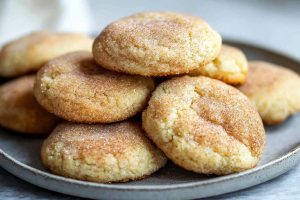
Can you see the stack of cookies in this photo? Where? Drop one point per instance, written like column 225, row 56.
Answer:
column 113, row 118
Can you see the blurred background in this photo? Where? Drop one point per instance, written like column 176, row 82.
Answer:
column 274, row 24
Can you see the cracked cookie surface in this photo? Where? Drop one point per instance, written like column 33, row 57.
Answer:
column 204, row 125
column 30, row 52
column 231, row 66
column 73, row 87
column 19, row 110
column 156, row 44
column 116, row 152
column 274, row 90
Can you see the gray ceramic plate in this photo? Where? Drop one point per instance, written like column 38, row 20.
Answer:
column 20, row 156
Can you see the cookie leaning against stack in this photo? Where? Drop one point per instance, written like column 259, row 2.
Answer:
column 204, row 125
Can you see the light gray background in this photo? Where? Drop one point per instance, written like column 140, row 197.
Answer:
column 273, row 24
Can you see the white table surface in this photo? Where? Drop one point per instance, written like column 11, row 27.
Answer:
column 274, row 24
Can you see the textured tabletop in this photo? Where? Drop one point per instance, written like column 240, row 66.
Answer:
column 273, row 24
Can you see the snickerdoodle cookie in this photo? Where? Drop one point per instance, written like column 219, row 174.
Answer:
column 19, row 111
column 156, row 44
column 73, row 87
column 231, row 66
column 30, row 52
column 204, row 125
column 117, row 152
column 274, row 90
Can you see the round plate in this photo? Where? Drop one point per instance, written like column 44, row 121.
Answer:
column 20, row 156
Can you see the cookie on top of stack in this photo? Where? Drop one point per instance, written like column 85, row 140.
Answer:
column 195, row 118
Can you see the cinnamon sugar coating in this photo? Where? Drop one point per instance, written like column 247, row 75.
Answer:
column 156, row 44
column 32, row 51
column 116, row 152
column 274, row 90
column 231, row 66
column 19, row 110
column 73, row 87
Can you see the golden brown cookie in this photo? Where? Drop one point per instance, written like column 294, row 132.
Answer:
column 231, row 66
column 117, row 152
column 73, row 87
column 274, row 90
column 30, row 52
column 19, row 111
column 156, row 44
column 204, row 125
